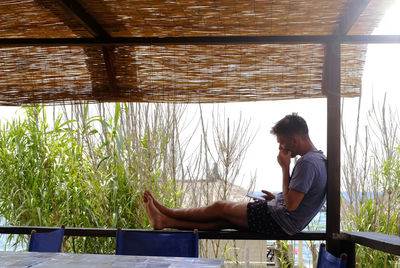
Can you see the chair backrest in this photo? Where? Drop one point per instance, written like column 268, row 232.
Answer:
column 158, row 244
column 327, row 260
column 46, row 242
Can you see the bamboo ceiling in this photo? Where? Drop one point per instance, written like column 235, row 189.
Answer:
column 176, row 72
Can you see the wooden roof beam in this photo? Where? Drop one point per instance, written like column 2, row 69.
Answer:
column 352, row 12
column 108, row 54
column 73, row 8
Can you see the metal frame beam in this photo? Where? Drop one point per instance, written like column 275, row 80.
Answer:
column 201, row 40
column 332, row 90
column 331, row 87
column 110, row 232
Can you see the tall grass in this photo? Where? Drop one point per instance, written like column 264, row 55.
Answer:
column 371, row 177
column 86, row 171
column 87, row 166
column 216, row 170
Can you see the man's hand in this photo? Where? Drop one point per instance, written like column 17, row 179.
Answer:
column 268, row 195
column 284, row 157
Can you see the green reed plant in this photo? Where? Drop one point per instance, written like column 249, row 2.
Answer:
column 38, row 170
column 86, row 170
column 89, row 165
column 371, row 173
column 378, row 213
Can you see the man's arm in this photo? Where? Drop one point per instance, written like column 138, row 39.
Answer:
column 292, row 197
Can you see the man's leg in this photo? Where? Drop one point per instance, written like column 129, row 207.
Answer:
column 228, row 214
column 160, row 221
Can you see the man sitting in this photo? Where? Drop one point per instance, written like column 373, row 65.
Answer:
column 303, row 193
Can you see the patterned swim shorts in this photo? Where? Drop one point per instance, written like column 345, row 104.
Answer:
column 260, row 220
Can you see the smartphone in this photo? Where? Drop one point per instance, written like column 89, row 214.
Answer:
column 254, row 196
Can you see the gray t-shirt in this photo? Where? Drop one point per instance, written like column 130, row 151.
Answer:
column 309, row 176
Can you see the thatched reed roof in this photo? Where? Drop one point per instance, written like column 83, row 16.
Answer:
column 110, row 50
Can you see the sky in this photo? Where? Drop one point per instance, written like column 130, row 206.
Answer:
column 381, row 75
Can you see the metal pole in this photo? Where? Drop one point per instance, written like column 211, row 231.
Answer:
column 333, row 143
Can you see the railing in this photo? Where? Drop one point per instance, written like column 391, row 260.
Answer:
column 111, row 232
column 382, row 242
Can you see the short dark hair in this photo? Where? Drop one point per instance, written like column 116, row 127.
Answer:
column 291, row 124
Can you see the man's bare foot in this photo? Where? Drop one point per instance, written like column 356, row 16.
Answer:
column 163, row 209
column 145, row 198
column 147, row 195
column 155, row 216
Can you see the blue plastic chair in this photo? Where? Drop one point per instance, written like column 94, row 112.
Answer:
column 157, row 244
column 327, row 260
column 46, row 242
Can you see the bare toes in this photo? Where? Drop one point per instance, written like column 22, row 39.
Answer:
column 154, row 215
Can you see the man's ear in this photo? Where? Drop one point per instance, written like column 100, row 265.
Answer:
column 296, row 139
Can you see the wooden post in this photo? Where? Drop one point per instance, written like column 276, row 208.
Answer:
column 332, row 83
column 349, row 248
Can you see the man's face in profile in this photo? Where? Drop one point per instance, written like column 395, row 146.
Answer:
column 288, row 144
